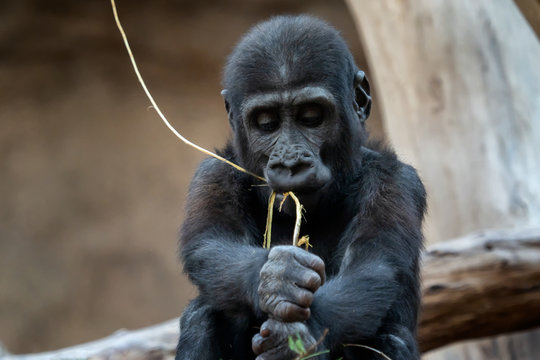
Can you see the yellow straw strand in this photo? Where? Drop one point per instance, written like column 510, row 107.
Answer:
column 304, row 240
column 267, row 238
column 158, row 110
column 299, row 209
column 268, row 231
column 299, row 213
column 285, row 195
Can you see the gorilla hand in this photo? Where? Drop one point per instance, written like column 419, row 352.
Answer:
column 272, row 342
column 288, row 280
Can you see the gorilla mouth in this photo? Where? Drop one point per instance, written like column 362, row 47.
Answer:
column 304, row 180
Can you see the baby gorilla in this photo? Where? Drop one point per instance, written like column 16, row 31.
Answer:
column 297, row 105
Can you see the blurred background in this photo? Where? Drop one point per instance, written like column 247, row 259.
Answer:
column 92, row 184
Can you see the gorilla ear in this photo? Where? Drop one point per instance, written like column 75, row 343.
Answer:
column 224, row 93
column 362, row 98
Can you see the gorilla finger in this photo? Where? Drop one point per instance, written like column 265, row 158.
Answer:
column 257, row 344
column 309, row 280
column 289, row 312
column 302, row 297
column 312, row 262
column 280, row 251
column 265, row 332
column 268, row 338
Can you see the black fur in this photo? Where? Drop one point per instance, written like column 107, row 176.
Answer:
column 364, row 222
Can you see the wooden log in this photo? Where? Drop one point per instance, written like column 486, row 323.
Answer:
column 483, row 284
column 152, row 343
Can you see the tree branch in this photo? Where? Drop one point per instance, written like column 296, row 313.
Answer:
column 483, row 284
column 154, row 342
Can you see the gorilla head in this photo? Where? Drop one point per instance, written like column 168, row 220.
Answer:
column 296, row 103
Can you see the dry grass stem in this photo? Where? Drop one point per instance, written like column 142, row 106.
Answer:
column 268, row 231
column 304, row 240
column 158, row 110
column 310, row 351
column 299, row 211
column 267, row 237
column 285, row 195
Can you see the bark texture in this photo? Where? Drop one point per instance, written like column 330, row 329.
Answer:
column 484, row 284
column 459, row 84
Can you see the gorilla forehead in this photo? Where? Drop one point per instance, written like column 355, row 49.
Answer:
column 289, row 52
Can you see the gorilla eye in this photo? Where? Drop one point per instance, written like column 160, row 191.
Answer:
column 267, row 121
column 311, row 115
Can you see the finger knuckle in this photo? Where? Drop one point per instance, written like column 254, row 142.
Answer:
column 284, row 311
column 313, row 281
column 291, row 313
column 280, row 310
column 305, row 299
column 317, row 263
column 276, row 251
column 265, row 270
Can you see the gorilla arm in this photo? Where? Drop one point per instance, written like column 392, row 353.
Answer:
column 376, row 291
column 219, row 253
column 355, row 303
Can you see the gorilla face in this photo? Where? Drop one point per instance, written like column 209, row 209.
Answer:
column 286, row 132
